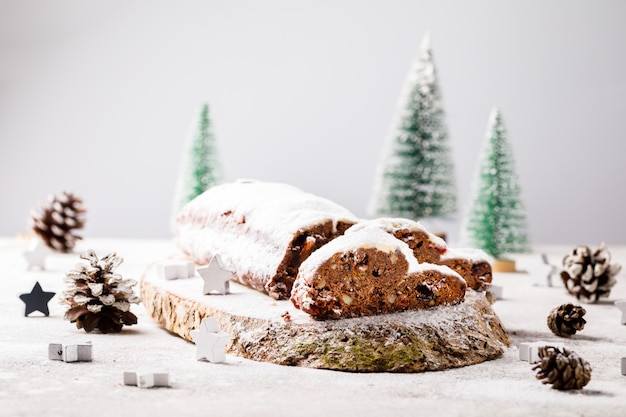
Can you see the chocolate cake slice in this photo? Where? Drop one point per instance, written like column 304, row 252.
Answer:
column 369, row 272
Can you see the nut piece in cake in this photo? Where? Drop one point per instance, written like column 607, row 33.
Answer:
column 370, row 272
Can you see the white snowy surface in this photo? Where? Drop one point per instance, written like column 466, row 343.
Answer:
column 31, row 384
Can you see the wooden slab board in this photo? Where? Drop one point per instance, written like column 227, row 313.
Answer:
column 264, row 329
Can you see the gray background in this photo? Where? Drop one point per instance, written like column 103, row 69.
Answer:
column 97, row 98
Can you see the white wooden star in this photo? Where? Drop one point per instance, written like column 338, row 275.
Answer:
column 147, row 378
column 210, row 342
column 36, row 254
column 170, row 270
column 70, row 352
column 621, row 304
column 542, row 271
column 216, row 278
column 529, row 351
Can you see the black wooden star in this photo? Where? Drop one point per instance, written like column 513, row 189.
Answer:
column 37, row 300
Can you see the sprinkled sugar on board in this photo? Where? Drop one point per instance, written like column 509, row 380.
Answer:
column 268, row 330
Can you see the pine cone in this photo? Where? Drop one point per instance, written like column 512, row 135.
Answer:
column 566, row 320
column 564, row 370
column 99, row 298
column 56, row 220
column 587, row 275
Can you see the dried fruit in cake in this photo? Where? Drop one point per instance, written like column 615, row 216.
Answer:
column 370, row 272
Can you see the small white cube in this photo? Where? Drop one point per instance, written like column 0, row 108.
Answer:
column 529, row 351
column 55, row 351
column 170, row 270
column 146, row 378
column 496, row 291
column 70, row 352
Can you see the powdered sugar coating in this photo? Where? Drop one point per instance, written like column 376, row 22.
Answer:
column 391, row 224
column 471, row 254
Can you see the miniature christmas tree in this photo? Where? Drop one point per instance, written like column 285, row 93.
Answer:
column 496, row 222
column 200, row 167
column 415, row 179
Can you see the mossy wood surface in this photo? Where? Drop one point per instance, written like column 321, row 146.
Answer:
column 264, row 329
